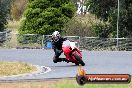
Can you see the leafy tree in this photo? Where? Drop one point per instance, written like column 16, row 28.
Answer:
column 106, row 10
column 45, row 16
column 4, row 13
column 80, row 26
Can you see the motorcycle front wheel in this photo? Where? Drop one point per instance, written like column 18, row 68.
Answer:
column 79, row 59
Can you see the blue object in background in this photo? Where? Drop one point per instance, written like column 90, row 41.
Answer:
column 49, row 45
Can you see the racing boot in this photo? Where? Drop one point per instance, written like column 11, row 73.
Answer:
column 55, row 60
column 65, row 60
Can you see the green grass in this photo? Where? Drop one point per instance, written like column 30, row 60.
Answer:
column 14, row 68
column 73, row 84
column 60, row 84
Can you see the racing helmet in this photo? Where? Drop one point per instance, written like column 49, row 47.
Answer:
column 56, row 36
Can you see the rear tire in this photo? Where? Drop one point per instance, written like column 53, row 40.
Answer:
column 77, row 64
column 79, row 59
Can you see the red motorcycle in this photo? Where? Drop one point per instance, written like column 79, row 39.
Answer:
column 72, row 53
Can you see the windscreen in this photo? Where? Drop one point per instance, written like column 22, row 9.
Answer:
column 66, row 43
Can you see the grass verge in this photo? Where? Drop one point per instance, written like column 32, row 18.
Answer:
column 73, row 84
column 60, row 84
column 14, row 68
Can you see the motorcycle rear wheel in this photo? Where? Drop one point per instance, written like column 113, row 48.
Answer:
column 79, row 59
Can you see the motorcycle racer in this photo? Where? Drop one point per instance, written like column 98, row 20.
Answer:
column 57, row 41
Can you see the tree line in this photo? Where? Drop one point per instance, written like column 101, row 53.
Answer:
column 106, row 11
column 4, row 13
column 45, row 16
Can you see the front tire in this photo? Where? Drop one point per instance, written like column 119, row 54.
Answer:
column 79, row 59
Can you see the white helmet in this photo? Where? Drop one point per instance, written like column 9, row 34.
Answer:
column 56, row 36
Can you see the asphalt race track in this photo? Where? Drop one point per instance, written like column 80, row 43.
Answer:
column 97, row 62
